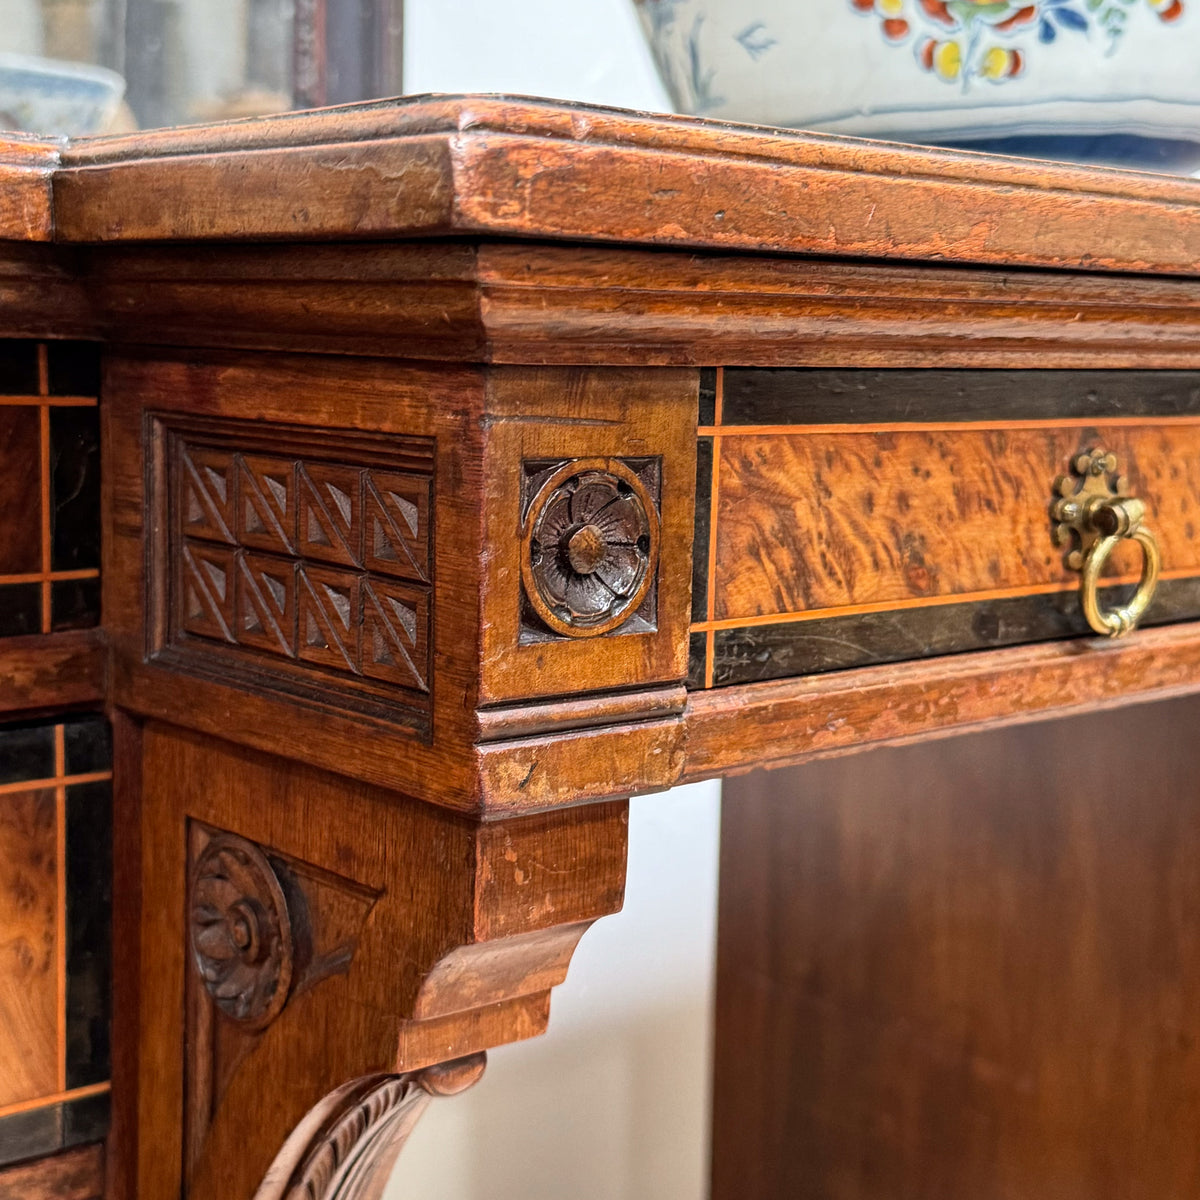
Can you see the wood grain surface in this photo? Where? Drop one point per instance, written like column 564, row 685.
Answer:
column 736, row 729
column 75, row 1175
column 526, row 303
column 530, row 169
column 29, row 945
column 50, row 671
column 965, row 969
column 841, row 518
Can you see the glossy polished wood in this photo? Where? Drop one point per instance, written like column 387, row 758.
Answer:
column 423, row 522
column 76, row 1175
column 964, row 969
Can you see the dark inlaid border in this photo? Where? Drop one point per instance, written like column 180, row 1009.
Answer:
column 697, row 660
column 89, row 932
column 27, row 753
column 19, row 369
column 73, row 368
column 708, row 396
column 43, row 1131
column 810, row 396
column 777, row 651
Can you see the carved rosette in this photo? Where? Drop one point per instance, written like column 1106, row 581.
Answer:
column 590, row 548
column 241, row 931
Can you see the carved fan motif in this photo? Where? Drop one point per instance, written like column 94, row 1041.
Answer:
column 591, row 546
column 241, row 932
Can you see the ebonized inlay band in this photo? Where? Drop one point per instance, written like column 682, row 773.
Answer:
column 758, row 401
column 794, row 396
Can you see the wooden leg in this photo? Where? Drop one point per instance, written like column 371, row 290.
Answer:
column 315, row 957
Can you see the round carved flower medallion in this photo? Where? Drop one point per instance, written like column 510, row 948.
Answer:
column 590, row 547
column 241, row 932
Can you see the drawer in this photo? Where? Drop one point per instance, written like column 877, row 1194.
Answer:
column 846, row 518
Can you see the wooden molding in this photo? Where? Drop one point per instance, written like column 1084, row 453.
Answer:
column 51, row 671
column 545, row 304
column 75, row 1175
column 27, row 166
column 735, row 729
column 512, row 168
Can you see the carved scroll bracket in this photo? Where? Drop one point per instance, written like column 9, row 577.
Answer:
column 347, row 1145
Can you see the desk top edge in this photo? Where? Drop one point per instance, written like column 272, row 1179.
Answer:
column 494, row 166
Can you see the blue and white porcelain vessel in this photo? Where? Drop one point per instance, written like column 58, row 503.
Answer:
column 44, row 96
column 1115, row 80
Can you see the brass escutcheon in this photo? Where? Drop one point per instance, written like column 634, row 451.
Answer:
column 1096, row 507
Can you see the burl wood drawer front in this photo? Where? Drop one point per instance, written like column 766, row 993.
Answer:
column 856, row 517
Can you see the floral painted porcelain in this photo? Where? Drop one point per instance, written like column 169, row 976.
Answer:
column 946, row 71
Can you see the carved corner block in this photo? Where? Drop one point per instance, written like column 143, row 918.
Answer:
column 447, row 567
column 595, row 469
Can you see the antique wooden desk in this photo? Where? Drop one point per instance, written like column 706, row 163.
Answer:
column 469, row 466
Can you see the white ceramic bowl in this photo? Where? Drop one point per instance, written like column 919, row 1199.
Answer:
column 943, row 71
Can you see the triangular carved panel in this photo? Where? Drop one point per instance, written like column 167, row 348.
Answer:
column 395, row 639
column 208, row 494
column 396, row 513
column 330, row 525
column 330, row 618
column 267, row 504
column 266, row 604
column 206, row 603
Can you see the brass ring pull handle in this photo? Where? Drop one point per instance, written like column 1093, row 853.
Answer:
column 1119, row 621
column 1099, row 511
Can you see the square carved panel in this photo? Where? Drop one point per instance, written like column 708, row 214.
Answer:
column 297, row 561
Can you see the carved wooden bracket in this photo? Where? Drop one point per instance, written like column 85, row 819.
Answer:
column 347, row 1145
column 332, row 954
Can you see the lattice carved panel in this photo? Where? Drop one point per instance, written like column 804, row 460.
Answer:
column 298, row 562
